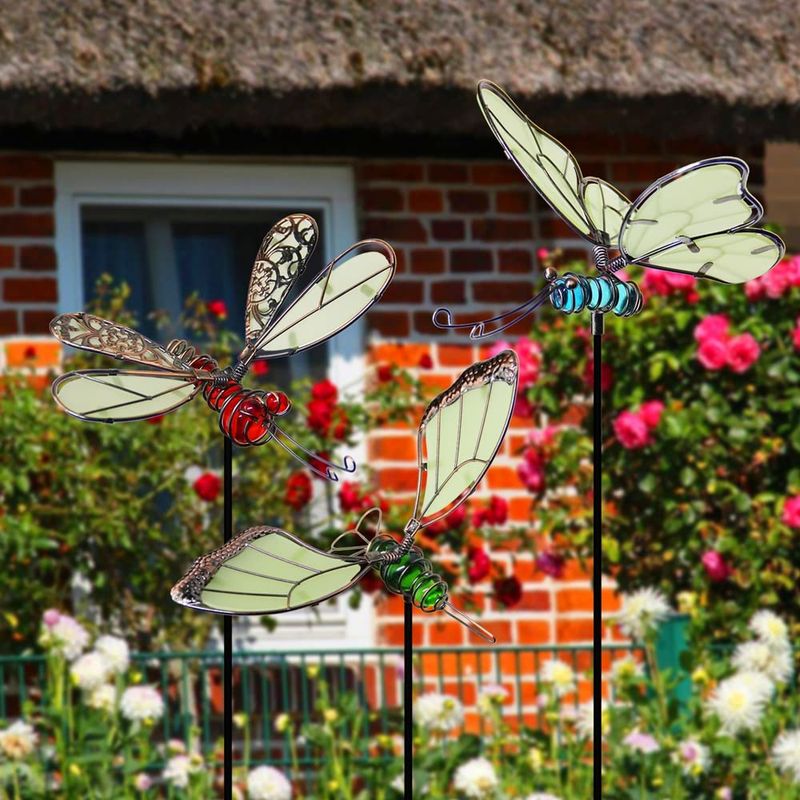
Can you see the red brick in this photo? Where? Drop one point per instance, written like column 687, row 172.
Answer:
column 501, row 477
column 534, row 601
column 393, row 448
column 8, row 323
column 520, row 508
column 470, row 260
column 595, row 144
column 404, row 354
column 444, row 633
column 574, row 630
column 37, row 257
column 517, row 260
column 6, row 196
column 455, row 355
column 392, row 634
column 553, row 228
column 427, row 261
column 394, row 324
column 501, row 291
column 448, row 173
column 382, row 199
column 401, row 291
column 502, row 230
column 513, row 202
column 395, row 229
column 43, row 195
column 392, row 171
column 37, row 321
column 25, row 166
column 533, row 632
column 499, row 173
column 30, row 290
column 424, row 201
column 423, row 323
column 448, row 292
column 26, row 224
column 398, row 479
column 469, row 202
column 45, row 354
column 646, row 171
column 645, row 146
column 448, row 230
column 6, row 256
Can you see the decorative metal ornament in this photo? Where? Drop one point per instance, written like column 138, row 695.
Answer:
column 269, row 571
column 697, row 219
column 344, row 289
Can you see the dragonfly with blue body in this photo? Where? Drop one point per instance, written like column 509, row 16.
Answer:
column 266, row 570
column 698, row 219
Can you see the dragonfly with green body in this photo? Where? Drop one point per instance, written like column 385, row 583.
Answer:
column 267, row 570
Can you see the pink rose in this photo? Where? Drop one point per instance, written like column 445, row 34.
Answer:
column 51, row 617
column 543, row 437
column 714, row 326
column 713, row 353
column 754, row 290
column 531, row 471
column 715, row 566
column 791, row 512
column 631, row 431
column 743, row 352
column 796, row 335
column 651, row 412
column 542, row 254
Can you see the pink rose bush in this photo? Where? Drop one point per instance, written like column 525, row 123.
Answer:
column 529, row 354
column 777, row 282
column 718, row 349
column 634, row 429
column 791, row 512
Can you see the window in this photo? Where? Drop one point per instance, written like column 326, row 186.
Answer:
column 170, row 229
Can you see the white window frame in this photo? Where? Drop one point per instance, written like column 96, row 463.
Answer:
column 330, row 187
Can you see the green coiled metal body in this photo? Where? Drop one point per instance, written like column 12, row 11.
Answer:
column 412, row 576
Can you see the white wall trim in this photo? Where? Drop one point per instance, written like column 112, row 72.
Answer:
column 165, row 183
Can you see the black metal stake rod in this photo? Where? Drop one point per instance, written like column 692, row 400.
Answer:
column 408, row 700
column 597, row 550
column 227, row 631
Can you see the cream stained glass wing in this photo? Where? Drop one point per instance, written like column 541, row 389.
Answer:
column 88, row 332
column 461, row 432
column 264, row 571
column 344, row 290
column 696, row 220
column 606, row 207
column 280, row 260
column 99, row 395
column 550, row 167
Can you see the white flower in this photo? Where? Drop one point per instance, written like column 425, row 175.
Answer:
column 475, row 779
column 739, row 701
column 268, row 783
column 66, row 636
column 693, row 757
column 90, row 671
column 193, row 473
column 142, row 782
column 560, row 676
column 542, row 796
column 438, row 713
column 116, row 652
column 626, row 669
column 769, row 628
column 103, row 698
column 641, row 742
column 584, row 720
column 18, row 740
column 641, row 612
column 492, row 695
column 786, row 752
column 141, row 704
column 178, row 771
column 774, row 660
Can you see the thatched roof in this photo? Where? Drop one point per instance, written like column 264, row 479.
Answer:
column 166, row 66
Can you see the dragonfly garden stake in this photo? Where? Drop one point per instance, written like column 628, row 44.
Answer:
column 167, row 377
column 276, row 324
column 699, row 219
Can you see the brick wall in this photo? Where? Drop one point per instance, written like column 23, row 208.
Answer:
column 466, row 234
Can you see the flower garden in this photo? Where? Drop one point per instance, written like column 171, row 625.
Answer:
column 702, row 505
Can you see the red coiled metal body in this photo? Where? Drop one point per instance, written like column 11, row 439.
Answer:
column 245, row 415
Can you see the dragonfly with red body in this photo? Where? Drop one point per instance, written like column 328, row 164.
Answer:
column 275, row 326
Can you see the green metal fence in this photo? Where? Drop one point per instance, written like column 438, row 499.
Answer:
column 270, row 683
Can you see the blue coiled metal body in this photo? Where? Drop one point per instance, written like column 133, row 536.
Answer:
column 573, row 293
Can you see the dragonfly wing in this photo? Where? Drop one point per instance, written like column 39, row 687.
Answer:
column 264, row 571
column 98, row 335
column 698, row 220
column 280, row 260
column 342, row 292
column 461, row 432
column 606, row 207
column 111, row 395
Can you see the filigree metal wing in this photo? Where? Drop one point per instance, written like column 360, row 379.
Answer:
column 697, row 220
column 460, row 433
column 113, row 395
column 342, row 292
column 88, row 332
column 280, row 260
column 265, row 571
